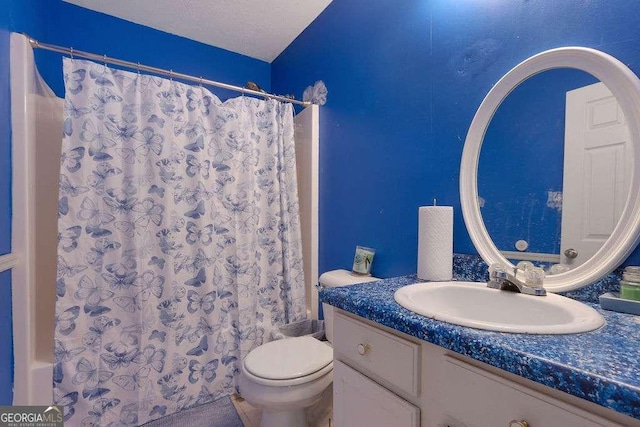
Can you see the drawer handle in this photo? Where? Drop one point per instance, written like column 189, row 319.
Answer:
column 518, row 423
column 363, row 349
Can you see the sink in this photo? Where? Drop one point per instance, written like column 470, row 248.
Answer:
column 475, row 305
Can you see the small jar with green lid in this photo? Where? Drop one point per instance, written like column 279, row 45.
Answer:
column 630, row 283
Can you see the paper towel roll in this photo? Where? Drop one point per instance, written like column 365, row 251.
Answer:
column 435, row 243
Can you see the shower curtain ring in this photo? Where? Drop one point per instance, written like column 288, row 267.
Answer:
column 138, row 68
column 104, row 58
column 200, row 81
column 171, row 75
column 71, row 51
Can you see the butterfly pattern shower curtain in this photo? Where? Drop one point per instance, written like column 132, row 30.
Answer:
column 178, row 247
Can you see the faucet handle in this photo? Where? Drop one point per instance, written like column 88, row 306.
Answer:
column 525, row 265
column 497, row 273
column 534, row 277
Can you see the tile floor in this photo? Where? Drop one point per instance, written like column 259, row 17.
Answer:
column 319, row 415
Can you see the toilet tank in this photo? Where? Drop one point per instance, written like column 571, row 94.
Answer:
column 335, row 278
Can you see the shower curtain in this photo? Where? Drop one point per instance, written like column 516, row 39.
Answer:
column 178, row 243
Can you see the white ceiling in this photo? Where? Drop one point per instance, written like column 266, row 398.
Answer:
column 260, row 29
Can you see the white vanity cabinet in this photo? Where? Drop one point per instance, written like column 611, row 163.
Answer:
column 374, row 371
column 385, row 378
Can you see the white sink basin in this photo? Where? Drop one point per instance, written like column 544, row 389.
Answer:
column 475, row 305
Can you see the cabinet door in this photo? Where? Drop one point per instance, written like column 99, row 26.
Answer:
column 360, row 402
column 481, row 399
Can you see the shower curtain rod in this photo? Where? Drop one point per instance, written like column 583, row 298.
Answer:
column 170, row 73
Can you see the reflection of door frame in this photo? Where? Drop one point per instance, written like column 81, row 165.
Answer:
column 596, row 137
column 532, row 256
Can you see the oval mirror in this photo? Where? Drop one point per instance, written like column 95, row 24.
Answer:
column 568, row 124
column 520, row 148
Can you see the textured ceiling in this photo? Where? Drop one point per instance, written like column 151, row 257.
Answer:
column 260, row 29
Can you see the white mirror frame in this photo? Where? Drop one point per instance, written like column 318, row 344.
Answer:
column 625, row 86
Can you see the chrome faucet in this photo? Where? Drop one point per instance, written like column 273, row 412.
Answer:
column 500, row 278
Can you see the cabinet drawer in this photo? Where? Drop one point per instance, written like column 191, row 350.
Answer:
column 391, row 358
column 481, row 399
column 360, row 402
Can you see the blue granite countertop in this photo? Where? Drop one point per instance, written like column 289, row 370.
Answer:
column 602, row 366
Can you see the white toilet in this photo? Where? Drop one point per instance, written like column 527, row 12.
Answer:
column 286, row 376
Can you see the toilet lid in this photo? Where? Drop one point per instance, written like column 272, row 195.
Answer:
column 288, row 358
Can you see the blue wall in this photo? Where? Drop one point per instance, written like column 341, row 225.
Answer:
column 56, row 22
column 404, row 80
column 5, row 146
column 6, row 337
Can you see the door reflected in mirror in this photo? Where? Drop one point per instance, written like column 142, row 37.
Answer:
column 554, row 168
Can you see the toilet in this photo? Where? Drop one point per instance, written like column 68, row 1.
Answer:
column 286, row 376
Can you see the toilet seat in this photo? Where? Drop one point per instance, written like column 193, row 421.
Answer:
column 288, row 362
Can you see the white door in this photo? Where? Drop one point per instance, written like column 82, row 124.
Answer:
column 307, row 136
column 360, row 402
column 597, row 171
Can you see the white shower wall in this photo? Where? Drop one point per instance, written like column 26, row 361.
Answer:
column 48, row 126
column 36, row 142
column 307, row 137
